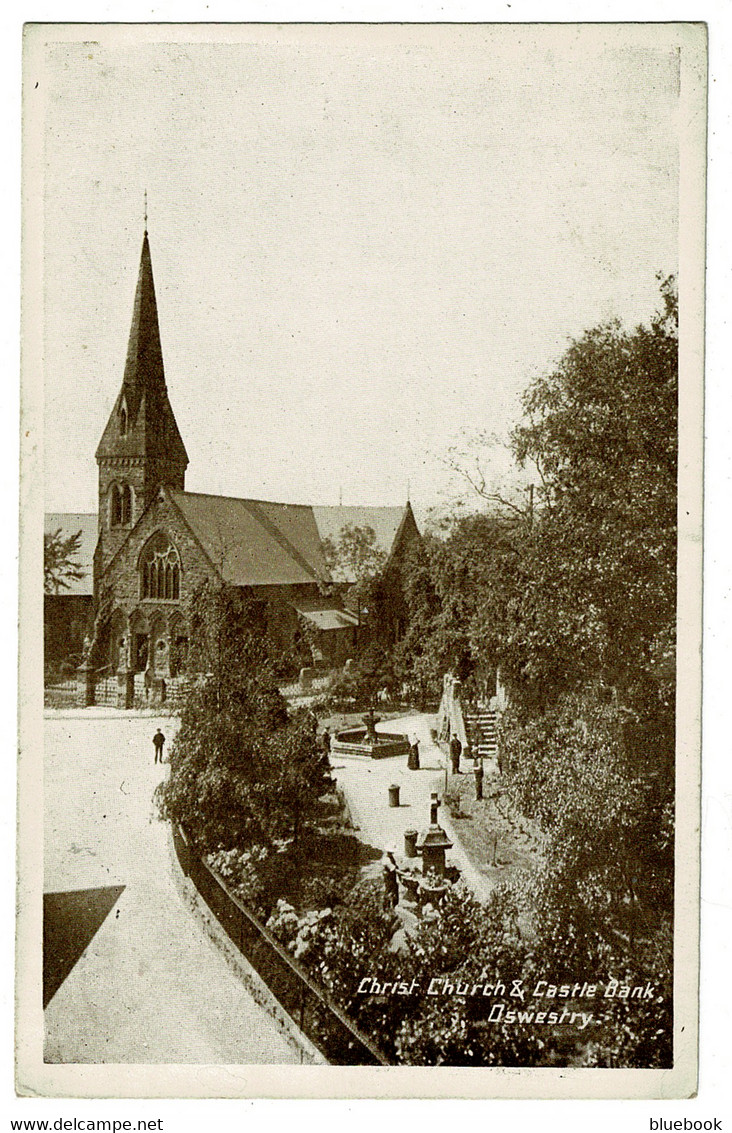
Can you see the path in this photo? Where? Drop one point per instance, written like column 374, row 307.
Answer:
column 365, row 784
column 145, row 983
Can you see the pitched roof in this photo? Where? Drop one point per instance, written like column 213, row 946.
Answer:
column 69, row 523
column 383, row 521
column 255, row 543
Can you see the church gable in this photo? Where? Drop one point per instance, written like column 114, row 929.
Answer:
column 160, row 561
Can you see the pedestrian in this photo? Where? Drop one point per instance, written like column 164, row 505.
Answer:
column 391, row 878
column 159, row 743
column 413, row 760
column 326, row 741
column 478, row 772
column 455, row 748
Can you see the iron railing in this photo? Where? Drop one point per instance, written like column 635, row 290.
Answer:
column 309, row 1005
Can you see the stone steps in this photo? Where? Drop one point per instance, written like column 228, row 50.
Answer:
column 481, row 729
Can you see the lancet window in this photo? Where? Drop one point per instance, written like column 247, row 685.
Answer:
column 120, row 505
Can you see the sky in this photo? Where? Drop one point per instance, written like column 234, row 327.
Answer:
column 366, row 242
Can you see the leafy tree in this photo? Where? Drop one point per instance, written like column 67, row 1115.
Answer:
column 356, row 563
column 601, row 429
column 241, row 769
column 354, row 557
column 458, row 594
column 60, row 566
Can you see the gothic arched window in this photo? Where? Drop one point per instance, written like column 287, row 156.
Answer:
column 160, row 569
column 123, row 421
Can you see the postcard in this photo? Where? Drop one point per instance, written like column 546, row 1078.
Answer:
column 360, row 671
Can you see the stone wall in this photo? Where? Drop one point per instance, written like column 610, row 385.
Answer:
column 143, row 629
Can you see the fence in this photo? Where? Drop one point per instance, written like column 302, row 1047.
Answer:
column 307, row 1004
column 73, row 692
column 62, row 694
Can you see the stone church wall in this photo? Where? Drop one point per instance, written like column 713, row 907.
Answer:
column 146, row 632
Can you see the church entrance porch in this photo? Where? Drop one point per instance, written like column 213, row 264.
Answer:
column 144, row 651
column 141, row 650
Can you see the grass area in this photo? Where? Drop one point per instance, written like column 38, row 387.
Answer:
column 499, row 842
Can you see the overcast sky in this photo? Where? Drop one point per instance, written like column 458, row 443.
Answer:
column 365, row 242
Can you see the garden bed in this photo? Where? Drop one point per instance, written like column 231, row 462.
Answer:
column 499, row 842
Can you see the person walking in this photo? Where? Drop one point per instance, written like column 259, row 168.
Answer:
column 325, row 740
column 158, row 743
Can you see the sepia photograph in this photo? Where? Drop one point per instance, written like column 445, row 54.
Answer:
column 362, row 380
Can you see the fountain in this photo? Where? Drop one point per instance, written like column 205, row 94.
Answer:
column 368, row 742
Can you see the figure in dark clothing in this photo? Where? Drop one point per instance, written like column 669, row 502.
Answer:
column 391, row 879
column 455, row 748
column 326, row 741
column 159, row 743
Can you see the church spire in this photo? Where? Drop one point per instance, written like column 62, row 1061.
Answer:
column 144, row 366
column 141, row 447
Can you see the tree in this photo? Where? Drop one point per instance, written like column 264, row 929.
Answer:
column 60, row 566
column 356, row 562
column 241, row 769
column 457, row 591
column 601, row 429
column 355, row 557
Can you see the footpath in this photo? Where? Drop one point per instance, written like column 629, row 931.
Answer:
column 145, row 984
column 365, row 784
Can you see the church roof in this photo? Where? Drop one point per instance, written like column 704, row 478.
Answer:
column 69, row 523
column 253, row 542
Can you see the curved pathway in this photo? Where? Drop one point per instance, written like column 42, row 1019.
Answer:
column 149, row 986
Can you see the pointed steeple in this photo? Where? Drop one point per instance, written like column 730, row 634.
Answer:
column 142, row 422
column 144, row 366
column 141, row 447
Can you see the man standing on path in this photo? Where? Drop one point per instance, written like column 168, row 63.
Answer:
column 455, row 749
column 159, row 742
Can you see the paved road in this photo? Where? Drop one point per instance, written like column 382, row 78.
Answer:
column 149, row 986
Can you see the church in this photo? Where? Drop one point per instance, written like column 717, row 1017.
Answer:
column 156, row 543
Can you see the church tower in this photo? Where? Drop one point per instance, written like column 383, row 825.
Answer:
column 141, row 447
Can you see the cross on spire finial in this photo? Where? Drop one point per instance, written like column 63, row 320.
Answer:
column 145, row 210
